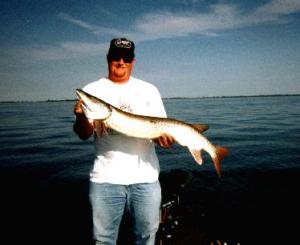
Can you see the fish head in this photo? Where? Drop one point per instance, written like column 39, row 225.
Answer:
column 93, row 107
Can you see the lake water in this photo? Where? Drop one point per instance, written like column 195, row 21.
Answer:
column 44, row 169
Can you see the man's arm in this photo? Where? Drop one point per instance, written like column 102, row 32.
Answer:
column 82, row 127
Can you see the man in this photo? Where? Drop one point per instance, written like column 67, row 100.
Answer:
column 126, row 169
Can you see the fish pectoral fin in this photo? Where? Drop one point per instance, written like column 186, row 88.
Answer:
column 86, row 111
column 91, row 114
column 200, row 127
column 196, row 153
column 100, row 128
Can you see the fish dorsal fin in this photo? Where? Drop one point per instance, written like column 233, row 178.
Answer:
column 200, row 127
column 197, row 155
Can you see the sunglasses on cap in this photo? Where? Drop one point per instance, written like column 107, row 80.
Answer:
column 117, row 57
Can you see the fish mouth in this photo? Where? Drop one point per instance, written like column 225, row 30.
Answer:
column 78, row 93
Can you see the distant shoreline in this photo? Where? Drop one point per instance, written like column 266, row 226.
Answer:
column 166, row 98
column 232, row 96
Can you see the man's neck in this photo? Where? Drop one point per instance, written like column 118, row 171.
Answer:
column 117, row 81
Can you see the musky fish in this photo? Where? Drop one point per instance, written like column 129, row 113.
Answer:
column 148, row 127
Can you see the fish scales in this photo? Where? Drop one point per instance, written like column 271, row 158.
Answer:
column 131, row 125
column 152, row 127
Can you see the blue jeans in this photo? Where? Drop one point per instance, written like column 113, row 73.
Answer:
column 109, row 201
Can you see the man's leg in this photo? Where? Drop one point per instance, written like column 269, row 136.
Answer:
column 144, row 204
column 108, row 203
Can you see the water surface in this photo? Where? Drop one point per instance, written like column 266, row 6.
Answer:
column 44, row 167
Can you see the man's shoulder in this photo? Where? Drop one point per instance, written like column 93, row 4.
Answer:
column 144, row 84
column 95, row 84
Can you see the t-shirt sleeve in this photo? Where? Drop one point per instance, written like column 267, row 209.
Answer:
column 157, row 108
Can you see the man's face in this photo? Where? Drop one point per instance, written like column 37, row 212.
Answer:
column 119, row 71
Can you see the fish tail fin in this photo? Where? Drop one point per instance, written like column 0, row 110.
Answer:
column 222, row 152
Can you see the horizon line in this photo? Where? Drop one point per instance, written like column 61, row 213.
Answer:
column 164, row 98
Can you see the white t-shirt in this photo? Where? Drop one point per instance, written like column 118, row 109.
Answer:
column 120, row 159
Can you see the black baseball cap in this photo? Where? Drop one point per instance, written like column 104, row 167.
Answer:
column 121, row 47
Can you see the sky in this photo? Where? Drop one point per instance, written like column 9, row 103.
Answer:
column 187, row 48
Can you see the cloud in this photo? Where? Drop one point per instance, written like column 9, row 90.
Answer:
column 279, row 8
column 67, row 50
column 169, row 24
column 75, row 21
column 96, row 30
column 18, row 55
column 166, row 24
column 219, row 18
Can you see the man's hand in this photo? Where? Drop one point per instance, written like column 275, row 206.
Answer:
column 165, row 141
column 90, row 125
column 82, row 126
column 78, row 109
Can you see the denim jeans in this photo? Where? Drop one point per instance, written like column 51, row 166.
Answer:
column 109, row 201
